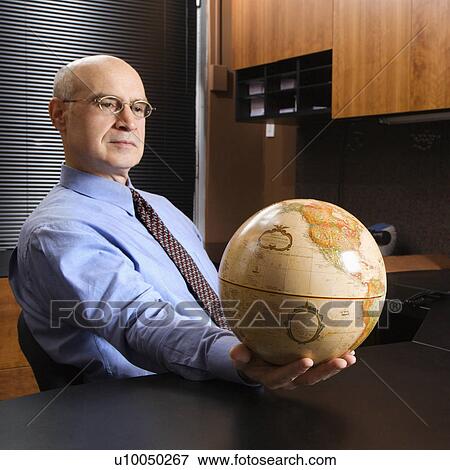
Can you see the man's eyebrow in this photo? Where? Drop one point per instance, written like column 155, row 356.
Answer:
column 101, row 94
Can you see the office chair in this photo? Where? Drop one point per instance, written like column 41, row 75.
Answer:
column 48, row 373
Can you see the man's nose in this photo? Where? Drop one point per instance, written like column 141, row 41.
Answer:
column 126, row 119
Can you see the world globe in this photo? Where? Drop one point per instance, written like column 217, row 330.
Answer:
column 302, row 278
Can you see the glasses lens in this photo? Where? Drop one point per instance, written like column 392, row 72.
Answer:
column 110, row 104
column 141, row 109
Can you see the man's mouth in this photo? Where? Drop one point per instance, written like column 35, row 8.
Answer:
column 123, row 143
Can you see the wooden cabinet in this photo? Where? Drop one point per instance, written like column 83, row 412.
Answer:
column 265, row 31
column 390, row 56
column 371, row 57
column 248, row 32
column 430, row 55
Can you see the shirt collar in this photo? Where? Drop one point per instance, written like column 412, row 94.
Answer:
column 98, row 187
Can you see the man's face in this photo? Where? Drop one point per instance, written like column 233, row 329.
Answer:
column 100, row 142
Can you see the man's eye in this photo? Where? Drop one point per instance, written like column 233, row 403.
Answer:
column 140, row 109
column 110, row 104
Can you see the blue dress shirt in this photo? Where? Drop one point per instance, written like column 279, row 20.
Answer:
column 83, row 246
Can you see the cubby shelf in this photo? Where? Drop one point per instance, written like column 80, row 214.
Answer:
column 285, row 91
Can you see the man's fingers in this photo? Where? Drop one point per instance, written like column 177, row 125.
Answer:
column 322, row 372
column 283, row 376
column 349, row 358
column 271, row 376
column 339, row 363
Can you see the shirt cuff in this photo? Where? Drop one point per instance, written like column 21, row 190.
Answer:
column 220, row 363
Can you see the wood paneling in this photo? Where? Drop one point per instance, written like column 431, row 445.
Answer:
column 430, row 55
column 16, row 377
column 279, row 165
column 266, row 31
column 240, row 161
column 371, row 57
column 17, row 382
column 10, row 353
column 234, row 171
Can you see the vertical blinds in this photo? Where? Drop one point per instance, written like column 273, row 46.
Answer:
column 157, row 37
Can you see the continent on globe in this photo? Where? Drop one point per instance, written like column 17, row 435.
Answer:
column 305, row 278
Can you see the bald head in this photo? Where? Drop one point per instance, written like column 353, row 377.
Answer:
column 74, row 77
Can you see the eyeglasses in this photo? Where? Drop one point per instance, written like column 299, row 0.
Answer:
column 112, row 104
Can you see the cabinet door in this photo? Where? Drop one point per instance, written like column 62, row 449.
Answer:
column 430, row 55
column 248, row 32
column 371, row 57
column 265, row 31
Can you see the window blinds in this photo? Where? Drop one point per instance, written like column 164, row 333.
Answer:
column 157, row 37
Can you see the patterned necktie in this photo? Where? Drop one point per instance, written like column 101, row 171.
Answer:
column 195, row 280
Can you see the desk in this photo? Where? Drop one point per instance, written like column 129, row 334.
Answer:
column 396, row 396
column 404, row 325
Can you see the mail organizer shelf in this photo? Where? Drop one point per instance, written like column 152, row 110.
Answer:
column 287, row 90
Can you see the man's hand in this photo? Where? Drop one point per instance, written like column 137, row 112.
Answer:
column 286, row 377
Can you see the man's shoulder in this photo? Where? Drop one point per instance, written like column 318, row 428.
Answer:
column 61, row 208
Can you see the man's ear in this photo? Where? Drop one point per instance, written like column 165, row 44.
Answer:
column 57, row 115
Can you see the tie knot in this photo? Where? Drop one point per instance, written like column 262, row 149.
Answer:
column 135, row 194
column 138, row 201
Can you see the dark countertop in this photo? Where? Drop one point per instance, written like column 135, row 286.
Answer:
column 435, row 329
column 395, row 397
column 434, row 280
column 408, row 306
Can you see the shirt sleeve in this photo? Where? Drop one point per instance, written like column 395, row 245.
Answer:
column 75, row 263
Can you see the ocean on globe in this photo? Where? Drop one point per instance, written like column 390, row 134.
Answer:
column 302, row 278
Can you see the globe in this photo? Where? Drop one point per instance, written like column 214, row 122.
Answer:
column 302, row 278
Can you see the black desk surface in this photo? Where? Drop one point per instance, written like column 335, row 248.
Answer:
column 434, row 280
column 396, row 396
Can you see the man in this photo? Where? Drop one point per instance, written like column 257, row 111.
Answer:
column 89, row 241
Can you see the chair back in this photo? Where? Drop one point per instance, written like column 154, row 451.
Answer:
column 48, row 373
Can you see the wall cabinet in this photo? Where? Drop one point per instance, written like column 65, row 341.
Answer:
column 371, row 57
column 390, row 56
column 266, row 31
column 430, row 55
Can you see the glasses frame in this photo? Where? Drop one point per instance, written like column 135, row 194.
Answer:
column 98, row 101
